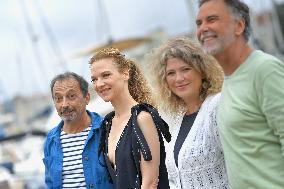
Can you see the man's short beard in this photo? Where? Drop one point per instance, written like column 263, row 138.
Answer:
column 72, row 117
column 210, row 50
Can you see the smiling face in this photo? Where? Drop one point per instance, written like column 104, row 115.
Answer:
column 183, row 80
column 69, row 100
column 215, row 26
column 108, row 81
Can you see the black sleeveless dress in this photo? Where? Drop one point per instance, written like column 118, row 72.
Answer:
column 129, row 148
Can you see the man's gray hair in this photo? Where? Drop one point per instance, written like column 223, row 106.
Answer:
column 240, row 10
column 84, row 86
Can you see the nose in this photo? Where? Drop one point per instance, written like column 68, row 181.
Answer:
column 99, row 83
column 65, row 102
column 202, row 28
column 179, row 77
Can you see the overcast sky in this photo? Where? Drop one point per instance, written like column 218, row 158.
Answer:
column 30, row 30
column 35, row 33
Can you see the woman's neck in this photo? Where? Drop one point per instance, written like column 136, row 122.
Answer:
column 123, row 106
column 193, row 106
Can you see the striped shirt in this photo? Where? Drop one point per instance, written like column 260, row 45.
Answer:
column 72, row 148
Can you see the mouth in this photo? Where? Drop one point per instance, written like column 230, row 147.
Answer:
column 104, row 91
column 66, row 112
column 180, row 87
column 208, row 37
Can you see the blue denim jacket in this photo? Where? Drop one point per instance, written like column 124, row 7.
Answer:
column 96, row 175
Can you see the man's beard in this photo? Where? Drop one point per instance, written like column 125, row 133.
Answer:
column 71, row 114
column 212, row 50
column 219, row 44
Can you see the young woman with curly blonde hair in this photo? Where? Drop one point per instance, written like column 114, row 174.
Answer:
column 132, row 141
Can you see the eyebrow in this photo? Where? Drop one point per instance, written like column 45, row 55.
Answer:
column 107, row 71
column 198, row 21
column 212, row 16
column 182, row 67
column 104, row 72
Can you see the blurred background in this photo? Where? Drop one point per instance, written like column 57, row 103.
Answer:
column 41, row 38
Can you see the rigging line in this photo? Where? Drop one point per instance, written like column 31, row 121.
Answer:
column 276, row 23
column 3, row 94
column 104, row 14
column 51, row 36
column 34, row 41
column 191, row 11
column 23, row 84
column 18, row 60
column 96, row 18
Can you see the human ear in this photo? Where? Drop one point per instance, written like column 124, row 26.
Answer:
column 88, row 97
column 240, row 26
column 125, row 74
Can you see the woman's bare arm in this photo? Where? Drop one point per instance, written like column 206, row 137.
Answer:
column 149, row 169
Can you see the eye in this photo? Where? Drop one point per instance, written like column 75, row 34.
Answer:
column 211, row 19
column 170, row 73
column 106, row 75
column 72, row 95
column 198, row 23
column 94, row 80
column 186, row 69
column 57, row 98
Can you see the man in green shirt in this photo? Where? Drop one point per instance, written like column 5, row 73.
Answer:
column 251, row 111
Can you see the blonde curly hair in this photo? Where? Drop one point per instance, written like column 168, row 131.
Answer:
column 137, row 84
column 192, row 54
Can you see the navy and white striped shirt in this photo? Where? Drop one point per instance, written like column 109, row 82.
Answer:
column 72, row 148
